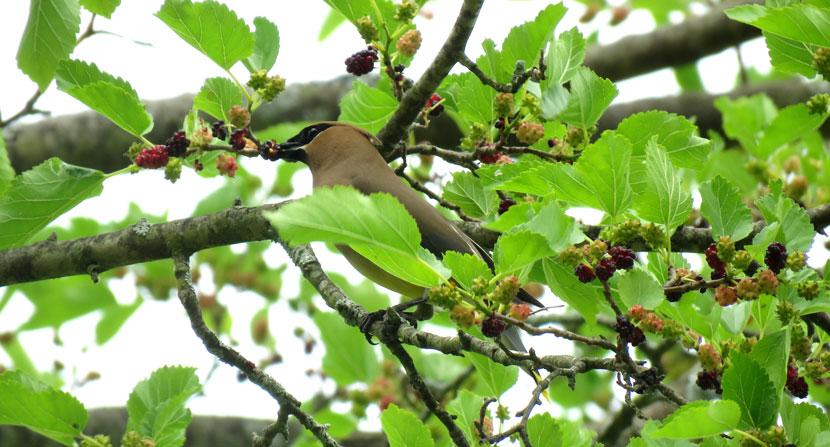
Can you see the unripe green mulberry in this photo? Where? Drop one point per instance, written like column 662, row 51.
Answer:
column 786, row 312
column 710, row 358
column 173, row 169
column 409, row 43
column 767, row 282
column 741, row 260
column 821, row 62
column 504, row 104
column 796, row 260
column 726, row 249
column 808, row 289
column 748, row 289
column 818, row 104
column 239, row 116
column 463, row 316
column 406, row 11
column 446, row 296
column 367, row 29
column 506, row 290
column 529, row 133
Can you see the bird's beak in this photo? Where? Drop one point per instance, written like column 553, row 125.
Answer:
column 293, row 151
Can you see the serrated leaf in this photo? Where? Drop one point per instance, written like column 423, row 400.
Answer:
column 376, row 226
column 156, row 407
column 110, row 96
column 664, row 200
column 747, row 383
column 516, row 252
column 639, row 287
column 542, row 429
column 795, row 416
column 404, row 429
column 466, row 95
column 6, row 170
column 348, row 359
column 467, row 191
column 558, row 228
column 799, row 21
column 113, row 318
column 795, row 229
column 466, row 407
column 210, row 27
column 790, row 56
column 40, row 195
column 791, row 123
column 590, row 96
column 216, row 98
column 674, row 132
column 101, row 7
column 466, row 267
column 745, row 118
column 48, row 39
column 724, row 209
column 772, row 352
column 266, row 46
column 32, row 404
column 367, row 107
column 604, row 168
column 699, row 419
column 497, row 378
column 565, row 56
column 587, row 299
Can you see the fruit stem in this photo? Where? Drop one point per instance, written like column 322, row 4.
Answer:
column 118, row 172
column 753, row 438
column 241, row 87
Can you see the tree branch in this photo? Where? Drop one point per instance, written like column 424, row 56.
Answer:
column 415, row 98
column 288, row 403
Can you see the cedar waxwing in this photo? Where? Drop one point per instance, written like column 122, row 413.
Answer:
column 341, row 154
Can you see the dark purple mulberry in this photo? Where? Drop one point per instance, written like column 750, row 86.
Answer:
column 492, row 326
column 362, row 62
column 776, row 256
column 177, row 144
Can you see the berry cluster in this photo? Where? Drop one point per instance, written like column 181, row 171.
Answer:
column 709, row 380
column 409, row 43
column 153, row 158
column 529, row 132
column 267, row 87
column 492, row 326
column 606, row 262
column 628, row 232
column 628, row 332
column 796, row 384
column 226, row 165
column 220, row 130
column 362, row 62
column 776, row 257
column 177, row 144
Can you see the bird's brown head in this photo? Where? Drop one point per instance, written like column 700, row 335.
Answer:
column 325, row 142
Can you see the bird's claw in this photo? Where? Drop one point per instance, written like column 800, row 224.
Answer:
column 397, row 315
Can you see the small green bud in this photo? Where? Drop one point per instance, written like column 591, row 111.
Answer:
column 258, row 79
column 796, row 260
column 173, row 170
column 808, row 289
column 818, row 104
column 742, row 260
column 504, row 104
column 367, row 29
column 726, row 248
column 406, row 11
column 821, row 62
column 273, row 87
column 532, row 104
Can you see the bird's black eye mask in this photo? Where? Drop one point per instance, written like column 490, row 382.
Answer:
column 292, row 149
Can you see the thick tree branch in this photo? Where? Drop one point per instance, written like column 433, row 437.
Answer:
column 415, row 98
column 143, row 242
column 671, row 45
column 288, row 403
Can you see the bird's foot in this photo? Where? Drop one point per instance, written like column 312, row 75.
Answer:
column 393, row 315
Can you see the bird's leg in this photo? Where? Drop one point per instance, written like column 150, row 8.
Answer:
column 423, row 311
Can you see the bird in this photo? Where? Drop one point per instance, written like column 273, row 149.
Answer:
column 340, row 154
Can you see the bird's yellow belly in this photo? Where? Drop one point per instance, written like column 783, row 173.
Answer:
column 378, row 275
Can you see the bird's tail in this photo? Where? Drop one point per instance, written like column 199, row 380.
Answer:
column 513, row 341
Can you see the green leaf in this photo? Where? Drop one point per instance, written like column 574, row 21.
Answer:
column 467, row 191
column 791, row 123
column 466, row 267
column 348, row 359
column 376, row 226
column 49, row 38
column 404, row 429
column 734, row 317
column 466, row 407
column 266, row 46
column 674, row 132
column 32, row 404
column 6, row 169
column 772, row 352
column 795, row 416
column 639, row 287
column 590, row 96
column 604, row 168
column 565, row 56
column 216, row 98
column 542, row 429
column 211, row 28
column 745, row 118
column 665, row 200
column 101, row 7
column 526, row 41
column 558, row 228
column 466, row 95
column 516, row 252
column 802, row 22
column 699, row 419
column 497, row 378
column 333, row 20
column 688, row 77
column 78, row 296
column 156, row 407
column 747, row 383
column 724, row 209
column 38, row 196
column 790, row 56
column 795, row 229
column 110, row 96
column 367, row 107
column 587, row 299
column 114, row 317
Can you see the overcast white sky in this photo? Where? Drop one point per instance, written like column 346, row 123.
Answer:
column 159, row 333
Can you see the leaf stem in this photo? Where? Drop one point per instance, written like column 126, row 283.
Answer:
column 241, row 87
column 751, row 437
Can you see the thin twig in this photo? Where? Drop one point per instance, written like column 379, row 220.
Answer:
column 190, row 302
column 519, row 78
column 278, row 427
column 561, row 333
